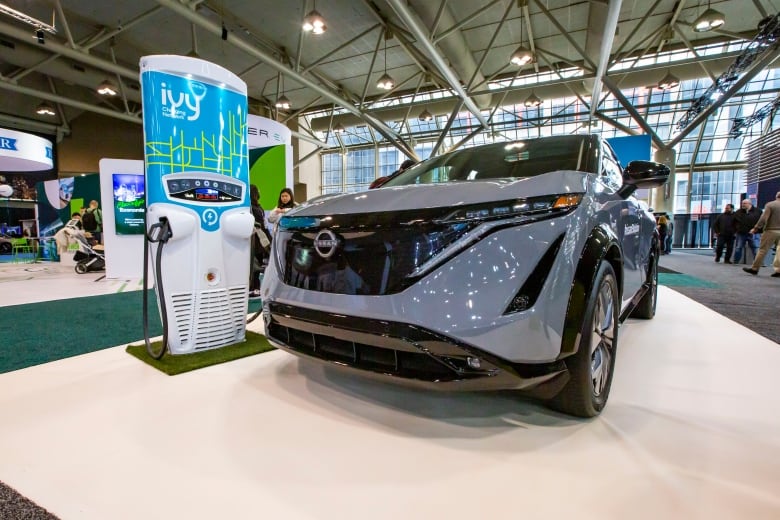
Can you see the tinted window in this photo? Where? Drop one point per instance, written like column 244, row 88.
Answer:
column 612, row 174
column 511, row 160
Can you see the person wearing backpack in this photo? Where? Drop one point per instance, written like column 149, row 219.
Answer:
column 92, row 220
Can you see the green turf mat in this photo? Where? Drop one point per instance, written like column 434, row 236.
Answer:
column 684, row 280
column 37, row 333
column 172, row 365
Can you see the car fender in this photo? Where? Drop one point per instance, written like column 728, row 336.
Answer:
column 602, row 243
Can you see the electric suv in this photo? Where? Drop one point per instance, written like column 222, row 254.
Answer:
column 501, row 266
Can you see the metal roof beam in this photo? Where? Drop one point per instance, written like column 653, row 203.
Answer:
column 269, row 60
column 416, row 27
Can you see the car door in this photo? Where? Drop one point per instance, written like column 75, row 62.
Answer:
column 627, row 218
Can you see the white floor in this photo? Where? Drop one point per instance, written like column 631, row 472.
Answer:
column 692, row 430
column 46, row 281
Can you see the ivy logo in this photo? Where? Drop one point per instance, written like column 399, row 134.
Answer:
column 171, row 101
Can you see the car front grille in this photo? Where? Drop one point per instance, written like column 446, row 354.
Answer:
column 365, row 262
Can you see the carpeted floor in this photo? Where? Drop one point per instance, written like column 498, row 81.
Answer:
column 47, row 331
column 14, row 506
column 752, row 301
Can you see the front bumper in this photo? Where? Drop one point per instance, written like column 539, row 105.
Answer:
column 413, row 354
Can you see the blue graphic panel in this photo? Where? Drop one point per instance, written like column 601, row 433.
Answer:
column 193, row 127
column 631, row 148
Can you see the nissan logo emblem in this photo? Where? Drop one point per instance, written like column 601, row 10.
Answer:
column 326, row 243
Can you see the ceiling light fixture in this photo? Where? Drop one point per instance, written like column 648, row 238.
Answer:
column 386, row 81
column 532, row 101
column 709, row 20
column 339, row 128
column 107, row 88
column 522, row 55
column 668, row 81
column 314, row 22
column 45, row 109
column 425, row 115
column 282, row 102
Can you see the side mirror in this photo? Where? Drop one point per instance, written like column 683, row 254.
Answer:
column 643, row 174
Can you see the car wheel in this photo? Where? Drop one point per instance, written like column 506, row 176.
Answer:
column 646, row 308
column 81, row 268
column 590, row 368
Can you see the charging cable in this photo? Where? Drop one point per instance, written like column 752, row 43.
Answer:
column 158, row 233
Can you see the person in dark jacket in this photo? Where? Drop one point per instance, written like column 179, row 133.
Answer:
column 260, row 242
column 723, row 227
column 745, row 219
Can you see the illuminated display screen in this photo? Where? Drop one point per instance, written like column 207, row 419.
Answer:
column 204, row 191
column 206, row 194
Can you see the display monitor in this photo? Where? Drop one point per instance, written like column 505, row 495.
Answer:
column 129, row 203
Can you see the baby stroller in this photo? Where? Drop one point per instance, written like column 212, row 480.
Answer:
column 88, row 258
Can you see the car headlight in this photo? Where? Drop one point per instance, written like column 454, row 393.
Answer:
column 516, row 208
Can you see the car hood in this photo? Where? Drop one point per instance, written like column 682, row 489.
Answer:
column 420, row 196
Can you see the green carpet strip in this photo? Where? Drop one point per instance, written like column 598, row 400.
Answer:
column 684, row 280
column 172, row 365
column 37, row 333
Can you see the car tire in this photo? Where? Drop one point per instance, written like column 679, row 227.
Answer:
column 645, row 310
column 591, row 367
column 81, row 268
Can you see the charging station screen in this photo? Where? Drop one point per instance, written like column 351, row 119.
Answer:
column 129, row 203
column 206, row 194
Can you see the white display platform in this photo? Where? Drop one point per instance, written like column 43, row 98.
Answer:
column 691, row 431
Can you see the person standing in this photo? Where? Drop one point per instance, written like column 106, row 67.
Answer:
column 745, row 219
column 260, row 244
column 723, row 227
column 769, row 226
column 92, row 220
column 663, row 230
column 669, row 236
column 286, row 203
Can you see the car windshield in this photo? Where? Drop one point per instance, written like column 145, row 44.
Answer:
column 509, row 160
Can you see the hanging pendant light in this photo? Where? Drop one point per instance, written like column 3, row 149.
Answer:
column 709, row 20
column 532, row 101
column 386, row 81
column 107, row 88
column 425, row 115
column 45, row 109
column 314, row 22
column 282, row 103
column 668, row 81
column 522, row 55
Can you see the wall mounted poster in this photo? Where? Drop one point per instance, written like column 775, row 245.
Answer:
column 129, row 203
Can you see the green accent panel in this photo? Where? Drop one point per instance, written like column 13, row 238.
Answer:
column 268, row 171
column 75, row 205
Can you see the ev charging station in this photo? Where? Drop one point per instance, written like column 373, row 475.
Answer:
column 198, row 217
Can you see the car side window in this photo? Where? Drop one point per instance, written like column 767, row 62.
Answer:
column 611, row 173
